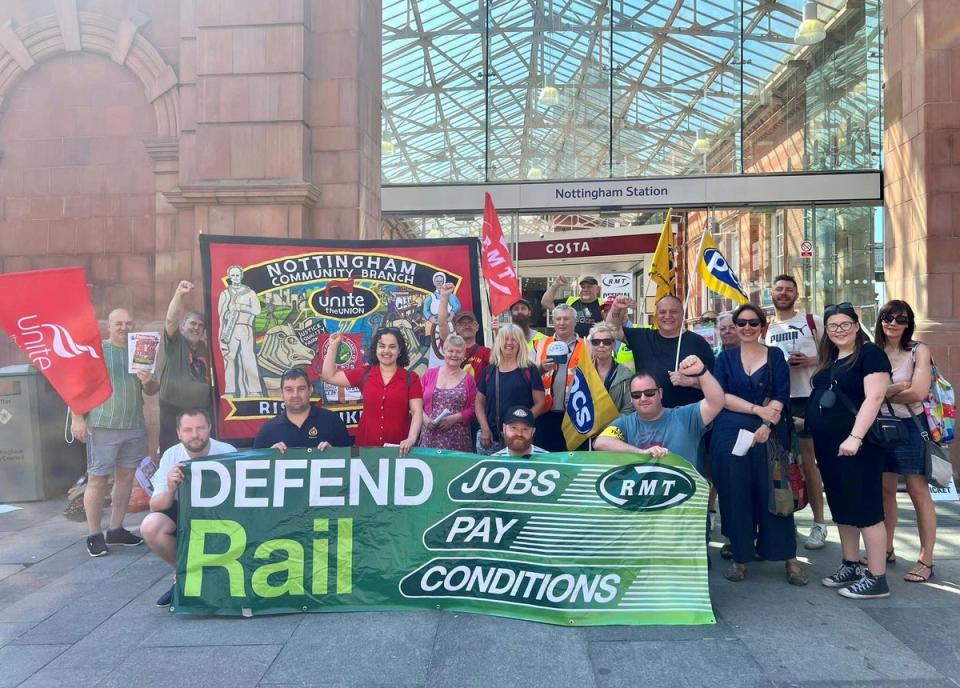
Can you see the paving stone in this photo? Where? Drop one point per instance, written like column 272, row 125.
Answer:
column 718, row 631
column 11, row 631
column 189, row 667
column 188, row 631
column 7, row 570
column 75, row 677
column 476, row 650
column 19, row 662
column 651, row 664
column 927, row 683
column 843, row 640
column 358, row 649
column 931, row 635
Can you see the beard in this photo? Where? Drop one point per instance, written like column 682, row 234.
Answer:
column 518, row 444
column 522, row 321
column 783, row 304
column 197, row 446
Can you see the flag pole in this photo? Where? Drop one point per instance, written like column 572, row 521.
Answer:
column 686, row 298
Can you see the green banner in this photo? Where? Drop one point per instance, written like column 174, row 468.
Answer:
column 576, row 538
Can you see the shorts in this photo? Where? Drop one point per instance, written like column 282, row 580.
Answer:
column 798, row 409
column 909, row 458
column 171, row 511
column 109, row 449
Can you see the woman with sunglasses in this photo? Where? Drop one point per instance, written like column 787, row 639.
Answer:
column 757, row 386
column 910, row 364
column 392, row 395
column 616, row 377
column 449, row 393
column 848, row 388
column 510, row 380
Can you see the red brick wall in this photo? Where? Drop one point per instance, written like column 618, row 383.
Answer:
column 77, row 185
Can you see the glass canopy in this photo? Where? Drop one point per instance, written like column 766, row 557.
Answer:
column 507, row 90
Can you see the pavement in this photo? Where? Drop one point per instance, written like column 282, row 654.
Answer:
column 69, row 620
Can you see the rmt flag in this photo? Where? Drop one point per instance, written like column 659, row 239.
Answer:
column 52, row 320
column 498, row 269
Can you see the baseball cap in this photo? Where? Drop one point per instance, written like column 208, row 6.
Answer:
column 519, row 414
column 523, row 301
column 465, row 314
column 588, row 279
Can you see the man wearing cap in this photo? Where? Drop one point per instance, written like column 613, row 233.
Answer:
column 586, row 305
column 520, row 313
column 465, row 324
column 518, row 429
column 300, row 423
column 557, row 357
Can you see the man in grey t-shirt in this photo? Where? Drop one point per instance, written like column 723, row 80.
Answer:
column 656, row 430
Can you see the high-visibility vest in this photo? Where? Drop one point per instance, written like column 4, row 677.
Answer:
column 623, row 354
column 535, row 337
column 541, row 355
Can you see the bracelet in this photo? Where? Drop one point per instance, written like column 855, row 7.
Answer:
column 700, row 374
column 752, row 407
column 860, row 439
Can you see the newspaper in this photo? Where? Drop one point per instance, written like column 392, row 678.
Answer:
column 142, row 349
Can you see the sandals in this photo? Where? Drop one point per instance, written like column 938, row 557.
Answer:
column 795, row 575
column 726, row 552
column 736, row 573
column 915, row 575
column 891, row 558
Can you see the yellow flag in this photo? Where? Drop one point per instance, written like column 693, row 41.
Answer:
column 717, row 273
column 589, row 407
column 662, row 270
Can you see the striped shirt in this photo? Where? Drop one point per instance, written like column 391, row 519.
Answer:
column 124, row 409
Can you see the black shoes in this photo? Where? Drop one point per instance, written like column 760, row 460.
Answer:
column 166, row 598
column 96, row 546
column 122, row 536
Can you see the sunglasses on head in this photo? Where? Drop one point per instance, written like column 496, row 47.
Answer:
column 744, row 322
column 838, row 308
column 602, row 342
column 644, row 393
column 899, row 319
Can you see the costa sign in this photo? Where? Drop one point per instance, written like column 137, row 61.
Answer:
column 578, row 248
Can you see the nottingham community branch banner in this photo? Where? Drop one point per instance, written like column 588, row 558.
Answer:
column 595, row 538
column 272, row 305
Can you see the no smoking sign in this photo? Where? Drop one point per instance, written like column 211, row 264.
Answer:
column 806, row 249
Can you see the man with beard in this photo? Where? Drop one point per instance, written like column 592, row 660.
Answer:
column 520, row 314
column 299, row 423
column 797, row 334
column 656, row 350
column 518, row 429
column 586, row 307
column 185, row 378
column 159, row 528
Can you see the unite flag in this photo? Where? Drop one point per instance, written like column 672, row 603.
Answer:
column 663, row 270
column 717, row 273
column 48, row 314
column 497, row 264
column 589, row 408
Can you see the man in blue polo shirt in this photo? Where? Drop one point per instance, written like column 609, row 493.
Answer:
column 300, row 424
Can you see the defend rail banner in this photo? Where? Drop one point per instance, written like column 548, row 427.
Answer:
column 579, row 538
column 272, row 304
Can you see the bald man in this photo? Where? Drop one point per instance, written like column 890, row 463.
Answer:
column 116, row 439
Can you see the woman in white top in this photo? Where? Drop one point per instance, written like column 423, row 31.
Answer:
column 910, row 363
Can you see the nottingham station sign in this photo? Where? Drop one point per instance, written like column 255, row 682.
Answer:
column 836, row 188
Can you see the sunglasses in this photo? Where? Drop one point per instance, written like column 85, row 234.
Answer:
column 648, row 393
column 752, row 322
column 837, row 308
column 602, row 342
column 899, row 319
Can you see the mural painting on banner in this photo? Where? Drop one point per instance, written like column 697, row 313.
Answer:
column 272, row 305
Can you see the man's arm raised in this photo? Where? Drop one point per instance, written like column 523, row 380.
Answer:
column 175, row 309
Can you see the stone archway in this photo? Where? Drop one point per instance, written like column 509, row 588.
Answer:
column 69, row 30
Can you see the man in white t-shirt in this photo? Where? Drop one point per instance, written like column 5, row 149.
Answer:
column 159, row 528
column 797, row 334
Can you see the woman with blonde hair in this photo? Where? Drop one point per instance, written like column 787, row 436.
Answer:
column 449, row 396
column 616, row 377
column 509, row 380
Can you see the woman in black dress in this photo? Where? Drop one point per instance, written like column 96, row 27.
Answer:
column 848, row 389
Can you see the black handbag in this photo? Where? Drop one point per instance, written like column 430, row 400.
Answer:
column 885, row 430
column 937, row 466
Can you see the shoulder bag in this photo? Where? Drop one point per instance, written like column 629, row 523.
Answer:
column 937, row 467
column 788, row 487
column 884, row 430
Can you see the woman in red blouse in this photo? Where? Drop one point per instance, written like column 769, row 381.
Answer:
column 392, row 395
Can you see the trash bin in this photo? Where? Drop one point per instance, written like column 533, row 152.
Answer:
column 35, row 461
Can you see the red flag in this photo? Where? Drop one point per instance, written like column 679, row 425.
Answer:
column 498, row 269
column 52, row 320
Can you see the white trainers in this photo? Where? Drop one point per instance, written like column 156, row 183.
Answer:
column 817, row 538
